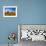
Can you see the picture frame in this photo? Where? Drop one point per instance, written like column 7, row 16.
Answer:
column 9, row 11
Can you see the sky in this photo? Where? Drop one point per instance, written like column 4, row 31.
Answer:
column 10, row 9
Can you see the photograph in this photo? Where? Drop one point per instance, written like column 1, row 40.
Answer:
column 9, row 11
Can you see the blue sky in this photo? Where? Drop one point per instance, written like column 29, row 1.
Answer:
column 10, row 9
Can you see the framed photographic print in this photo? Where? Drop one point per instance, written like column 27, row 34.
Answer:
column 9, row 11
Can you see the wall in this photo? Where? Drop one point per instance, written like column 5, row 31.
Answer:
column 29, row 12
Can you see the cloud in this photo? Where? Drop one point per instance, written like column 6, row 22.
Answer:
column 10, row 9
